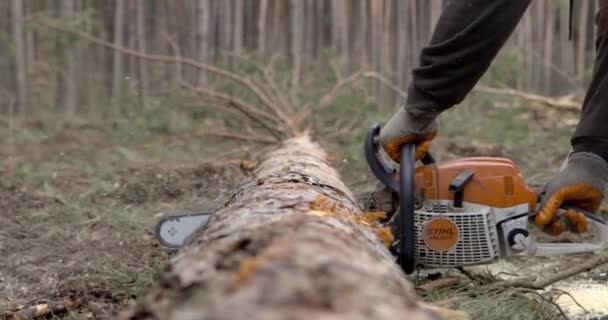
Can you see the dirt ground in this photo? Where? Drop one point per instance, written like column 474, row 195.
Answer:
column 77, row 210
column 88, row 235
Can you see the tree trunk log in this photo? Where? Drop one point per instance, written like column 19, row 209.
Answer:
column 290, row 244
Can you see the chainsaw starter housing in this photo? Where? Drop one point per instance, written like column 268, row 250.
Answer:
column 461, row 208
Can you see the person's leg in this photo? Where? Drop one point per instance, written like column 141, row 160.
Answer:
column 467, row 37
column 591, row 134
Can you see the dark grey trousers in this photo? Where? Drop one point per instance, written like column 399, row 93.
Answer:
column 466, row 39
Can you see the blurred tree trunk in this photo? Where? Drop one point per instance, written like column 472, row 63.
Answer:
column 581, row 53
column 566, row 49
column 376, row 22
column 415, row 43
column 20, row 56
column 238, row 32
column 68, row 94
column 548, row 46
column 403, row 44
column 339, row 31
column 309, row 34
column 387, row 65
column 141, row 47
column 205, row 45
column 261, row 25
column 225, row 31
column 363, row 34
column 117, row 60
column 296, row 11
column 529, row 49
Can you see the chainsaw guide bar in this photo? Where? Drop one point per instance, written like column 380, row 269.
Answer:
column 173, row 231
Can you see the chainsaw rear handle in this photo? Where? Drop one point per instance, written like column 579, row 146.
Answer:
column 404, row 187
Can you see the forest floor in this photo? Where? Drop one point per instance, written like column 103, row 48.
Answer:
column 79, row 201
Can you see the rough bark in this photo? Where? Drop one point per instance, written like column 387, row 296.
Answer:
column 290, row 244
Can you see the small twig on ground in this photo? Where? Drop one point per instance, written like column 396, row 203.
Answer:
column 563, row 292
column 545, row 299
column 439, row 283
column 449, row 302
column 471, row 276
column 44, row 309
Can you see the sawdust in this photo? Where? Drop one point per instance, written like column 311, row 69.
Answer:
column 372, row 217
column 246, row 270
column 322, row 206
column 386, row 236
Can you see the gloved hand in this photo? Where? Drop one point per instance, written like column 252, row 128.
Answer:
column 580, row 184
column 406, row 127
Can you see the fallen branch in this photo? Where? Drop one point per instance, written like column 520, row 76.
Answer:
column 328, row 98
column 254, row 114
column 384, row 81
column 566, row 102
column 44, row 309
column 572, row 271
column 257, row 91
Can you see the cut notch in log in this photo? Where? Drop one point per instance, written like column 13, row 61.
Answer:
column 290, row 244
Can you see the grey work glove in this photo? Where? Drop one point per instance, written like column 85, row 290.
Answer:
column 580, row 184
column 407, row 127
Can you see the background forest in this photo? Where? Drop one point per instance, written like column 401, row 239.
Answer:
column 44, row 69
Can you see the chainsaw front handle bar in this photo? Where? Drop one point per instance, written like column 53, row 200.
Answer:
column 405, row 220
column 403, row 186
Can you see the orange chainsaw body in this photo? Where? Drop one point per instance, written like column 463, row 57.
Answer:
column 496, row 182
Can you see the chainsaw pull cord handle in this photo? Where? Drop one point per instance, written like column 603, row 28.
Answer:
column 405, row 220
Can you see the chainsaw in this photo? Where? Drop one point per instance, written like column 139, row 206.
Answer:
column 463, row 212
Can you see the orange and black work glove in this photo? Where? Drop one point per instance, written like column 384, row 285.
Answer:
column 405, row 127
column 580, row 184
